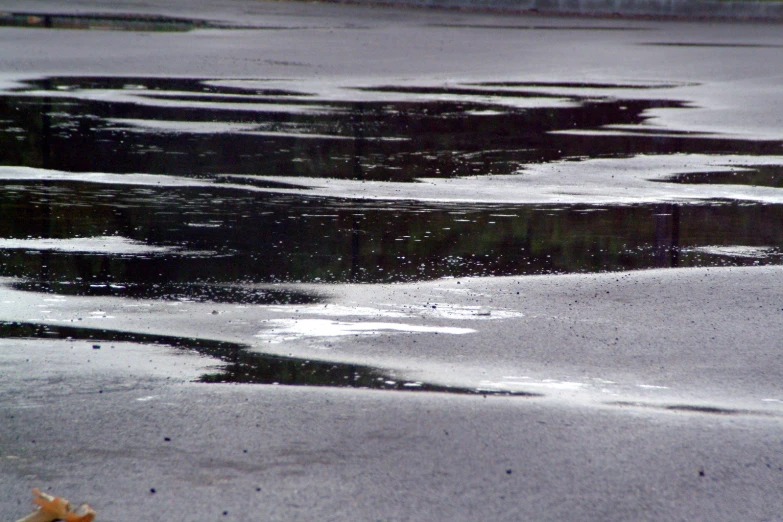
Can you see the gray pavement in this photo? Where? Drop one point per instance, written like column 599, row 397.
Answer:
column 657, row 392
column 707, row 10
column 278, row 453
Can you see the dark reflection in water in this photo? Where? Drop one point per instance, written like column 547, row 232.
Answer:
column 403, row 134
column 691, row 408
column 757, row 175
column 104, row 22
column 226, row 244
column 243, row 366
column 581, row 85
column 540, row 27
column 737, row 45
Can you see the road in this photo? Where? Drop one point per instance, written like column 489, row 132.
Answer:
column 484, row 391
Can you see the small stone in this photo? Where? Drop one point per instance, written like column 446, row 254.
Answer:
column 96, row 346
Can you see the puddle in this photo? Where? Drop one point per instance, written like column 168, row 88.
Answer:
column 751, row 175
column 178, row 189
column 717, row 45
column 693, row 408
column 200, row 128
column 540, row 27
column 170, row 202
column 582, row 85
column 107, row 22
column 243, row 366
column 217, row 243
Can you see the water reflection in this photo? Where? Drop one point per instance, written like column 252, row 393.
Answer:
column 529, row 27
column 103, row 22
column 243, row 366
column 196, row 128
column 224, row 244
column 757, row 175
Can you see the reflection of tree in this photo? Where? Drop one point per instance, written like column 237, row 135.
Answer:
column 356, row 119
column 378, row 140
column 268, row 238
column 667, row 235
column 280, row 238
column 21, row 135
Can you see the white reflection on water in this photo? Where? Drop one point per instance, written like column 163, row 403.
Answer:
column 91, row 245
column 290, row 329
column 439, row 310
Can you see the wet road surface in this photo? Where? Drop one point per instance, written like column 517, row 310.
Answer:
column 253, row 233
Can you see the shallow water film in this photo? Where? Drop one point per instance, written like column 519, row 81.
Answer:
column 243, row 366
column 230, row 227
column 202, row 190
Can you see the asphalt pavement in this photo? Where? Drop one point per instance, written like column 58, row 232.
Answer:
column 642, row 395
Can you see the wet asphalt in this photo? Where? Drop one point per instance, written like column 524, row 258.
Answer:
column 566, row 386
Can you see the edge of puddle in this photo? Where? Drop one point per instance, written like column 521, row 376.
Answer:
column 698, row 409
column 242, row 366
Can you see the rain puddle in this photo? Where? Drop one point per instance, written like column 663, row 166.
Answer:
column 755, row 176
column 738, row 45
column 540, row 27
column 106, row 22
column 240, row 365
column 200, row 128
column 228, row 245
column 178, row 189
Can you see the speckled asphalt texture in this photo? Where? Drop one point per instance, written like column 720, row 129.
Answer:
column 650, row 395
